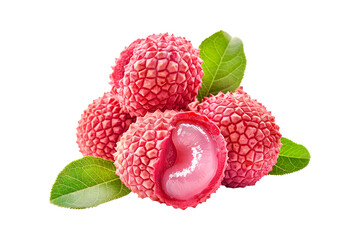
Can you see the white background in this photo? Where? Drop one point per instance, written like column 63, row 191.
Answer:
column 303, row 64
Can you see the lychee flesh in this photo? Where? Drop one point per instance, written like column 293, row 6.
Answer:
column 100, row 127
column 163, row 72
column 252, row 136
column 196, row 162
column 177, row 158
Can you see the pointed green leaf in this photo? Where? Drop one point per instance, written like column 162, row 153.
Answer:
column 224, row 64
column 87, row 182
column 292, row 157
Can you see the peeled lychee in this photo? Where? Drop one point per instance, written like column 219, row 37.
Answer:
column 177, row 158
column 100, row 127
column 159, row 72
column 253, row 138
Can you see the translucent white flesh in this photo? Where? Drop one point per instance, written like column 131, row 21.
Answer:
column 195, row 165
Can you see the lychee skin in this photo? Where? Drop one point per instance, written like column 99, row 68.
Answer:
column 253, row 138
column 144, row 153
column 100, row 127
column 120, row 63
column 163, row 72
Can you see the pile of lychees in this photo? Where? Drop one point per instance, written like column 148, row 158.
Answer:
column 165, row 144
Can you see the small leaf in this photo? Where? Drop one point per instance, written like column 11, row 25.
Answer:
column 224, row 64
column 292, row 157
column 87, row 182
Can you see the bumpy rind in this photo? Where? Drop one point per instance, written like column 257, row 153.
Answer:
column 100, row 127
column 120, row 63
column 161, row 72
column 253, row 138
column 142, row 150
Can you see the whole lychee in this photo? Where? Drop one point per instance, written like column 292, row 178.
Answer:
column 100, row 127
column 159, row 72
column 177, row 158
column 253, row 138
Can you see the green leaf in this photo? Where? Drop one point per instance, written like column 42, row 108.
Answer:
column 224, row 64
column 292, row 157
column 87, row 182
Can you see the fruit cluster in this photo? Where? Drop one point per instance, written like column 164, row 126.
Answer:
column 165, row 144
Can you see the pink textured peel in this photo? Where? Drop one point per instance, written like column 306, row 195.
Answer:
column 120, row 63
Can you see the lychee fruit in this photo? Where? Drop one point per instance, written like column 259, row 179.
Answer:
column 253, row 138
column 177, row 158
column 159, row 72
column 100, row 127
